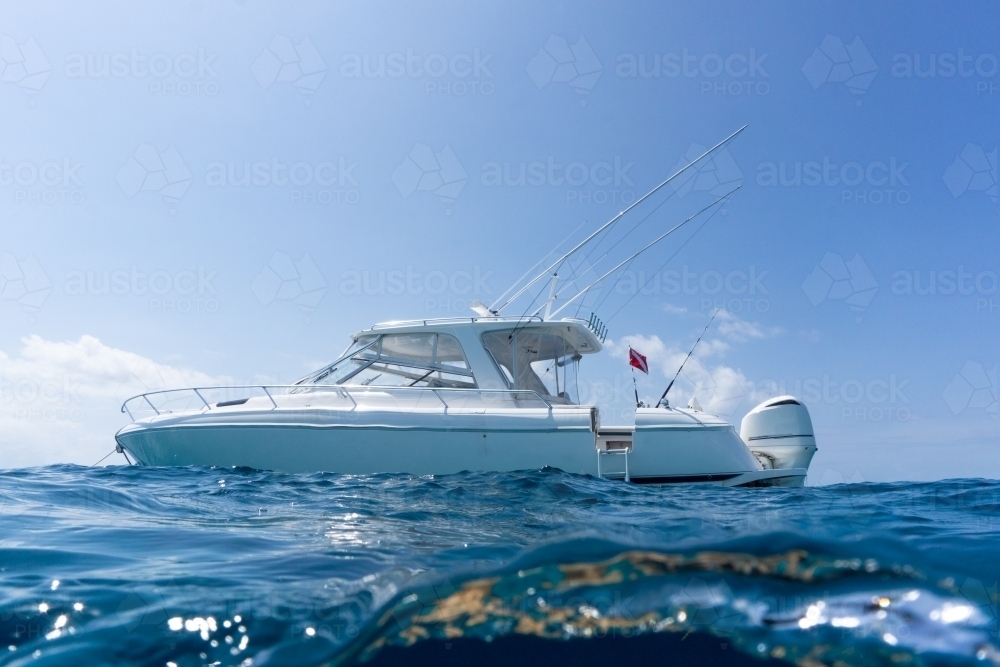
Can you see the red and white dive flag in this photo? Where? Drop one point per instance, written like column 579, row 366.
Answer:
column 638, row 360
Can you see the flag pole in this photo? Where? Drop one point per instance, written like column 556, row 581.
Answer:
column 632, row 368
column 635, row 386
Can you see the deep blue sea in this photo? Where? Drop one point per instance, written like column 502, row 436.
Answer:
column 206, row 566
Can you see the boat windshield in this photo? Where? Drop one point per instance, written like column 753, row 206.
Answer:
column 399, row 360
column 540, row 362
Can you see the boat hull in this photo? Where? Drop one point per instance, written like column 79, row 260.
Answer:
column 422, row 440
column 384, row 434
column 361, row 449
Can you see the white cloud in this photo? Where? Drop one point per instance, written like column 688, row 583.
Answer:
column 60, row 401
column 812, row 335
column 671, row 309
column 735, row 328
column 719, row 388
column 730, row 325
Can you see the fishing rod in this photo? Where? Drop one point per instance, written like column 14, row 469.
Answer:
column 663, row 399
column 613, row 220
column 534, row 266
column 644, row 249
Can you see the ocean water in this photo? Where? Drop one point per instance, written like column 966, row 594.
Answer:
column 207, row 566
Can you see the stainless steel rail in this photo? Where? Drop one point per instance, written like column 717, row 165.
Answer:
column 613, row 452
column 343, row 391
column 454, row 320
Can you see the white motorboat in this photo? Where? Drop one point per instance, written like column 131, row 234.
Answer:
column 484, row 393
column 443, row 396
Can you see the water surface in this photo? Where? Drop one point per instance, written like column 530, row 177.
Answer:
column 198, row 566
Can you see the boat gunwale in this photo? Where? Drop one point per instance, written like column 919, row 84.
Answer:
column 344, row 391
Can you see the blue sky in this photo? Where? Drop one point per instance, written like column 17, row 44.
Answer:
column 130, row 128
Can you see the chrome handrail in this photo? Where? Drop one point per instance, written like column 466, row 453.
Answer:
column 345, row 391
column 264, row 387
column 454, row 320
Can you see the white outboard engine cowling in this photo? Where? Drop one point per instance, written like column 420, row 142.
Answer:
column 780, row 434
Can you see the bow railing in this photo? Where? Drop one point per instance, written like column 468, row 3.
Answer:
column 203, row 399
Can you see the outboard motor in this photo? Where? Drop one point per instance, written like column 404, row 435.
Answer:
column 779, row 433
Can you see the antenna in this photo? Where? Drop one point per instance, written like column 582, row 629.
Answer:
column 613, row 220
column 552, row 296
column 663, row 399
column 644, row 249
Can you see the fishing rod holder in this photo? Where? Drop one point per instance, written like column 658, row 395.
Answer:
column 596, row 326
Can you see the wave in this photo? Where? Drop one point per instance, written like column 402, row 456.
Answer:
column 796, row 605
column 201, row 565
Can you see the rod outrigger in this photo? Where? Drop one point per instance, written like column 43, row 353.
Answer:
column 636, row 254
column 494, row 309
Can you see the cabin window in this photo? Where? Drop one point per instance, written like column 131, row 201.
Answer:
column 361, row 343
column 418, row 348
column 539, row 362
column 400, row 360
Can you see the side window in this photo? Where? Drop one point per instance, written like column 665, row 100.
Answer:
column 551, row 362
column 501, row 348
column 533, row 353
column 418, row 348
column 533, row 361
column 449, row 353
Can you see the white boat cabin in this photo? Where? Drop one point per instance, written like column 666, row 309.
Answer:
column 496, row 353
